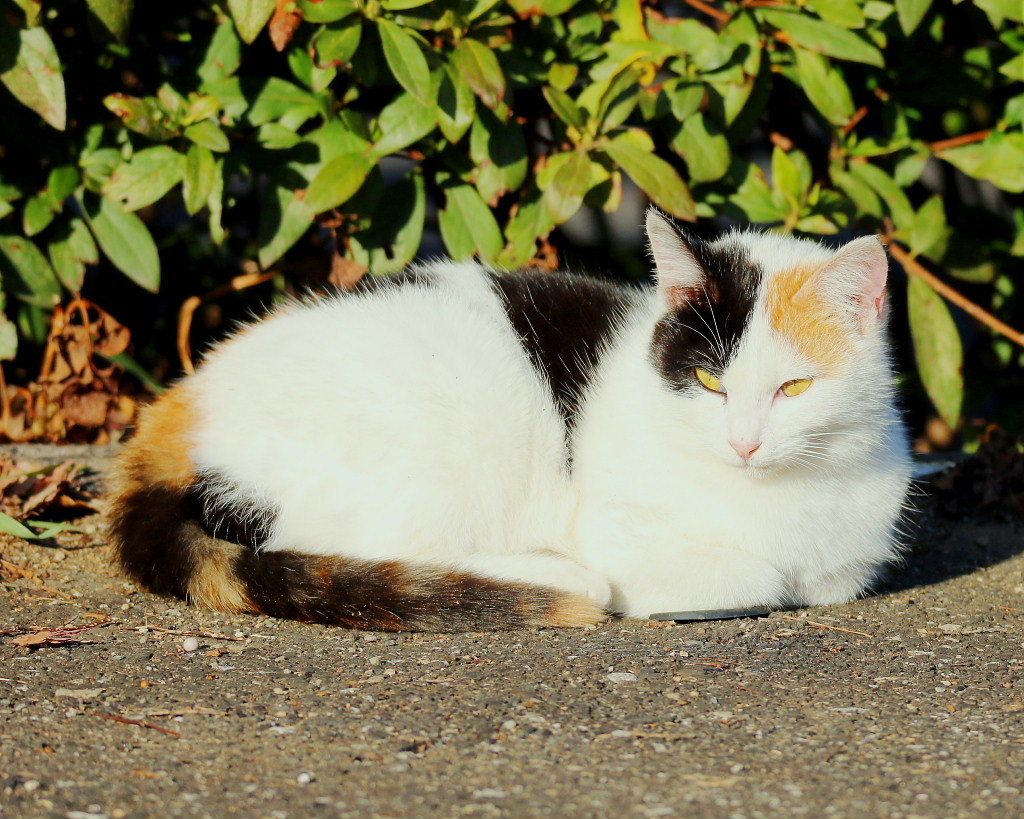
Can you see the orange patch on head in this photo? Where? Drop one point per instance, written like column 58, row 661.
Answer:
column 804, row 317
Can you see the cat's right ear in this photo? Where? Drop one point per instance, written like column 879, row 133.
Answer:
column 679, row 274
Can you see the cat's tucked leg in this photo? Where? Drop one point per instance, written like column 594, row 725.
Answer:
column 692, row 578
column 540, row 569
column 840, row 586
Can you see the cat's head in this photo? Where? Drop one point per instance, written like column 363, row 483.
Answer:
column 775, row 346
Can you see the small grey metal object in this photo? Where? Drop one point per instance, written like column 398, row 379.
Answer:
column 713, row 614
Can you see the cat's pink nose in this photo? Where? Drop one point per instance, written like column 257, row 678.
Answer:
column 745, row 449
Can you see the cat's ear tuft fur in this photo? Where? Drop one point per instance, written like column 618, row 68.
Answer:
column 678, row 271
column 855, row 277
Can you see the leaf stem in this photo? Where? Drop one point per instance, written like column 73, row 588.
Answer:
column 963, row 139
column 710, row 10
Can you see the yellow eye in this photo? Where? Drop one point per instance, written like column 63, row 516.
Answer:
column 712, row 382
column 796, row 386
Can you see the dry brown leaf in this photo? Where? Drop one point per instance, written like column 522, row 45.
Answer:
column 78, row 396
column 283, row 24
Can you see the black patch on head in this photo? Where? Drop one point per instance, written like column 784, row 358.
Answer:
column 706, row 330
column 565, row 323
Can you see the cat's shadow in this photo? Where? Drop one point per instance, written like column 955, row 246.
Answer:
column 941, row 549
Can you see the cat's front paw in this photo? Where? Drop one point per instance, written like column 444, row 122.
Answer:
column 572, row 577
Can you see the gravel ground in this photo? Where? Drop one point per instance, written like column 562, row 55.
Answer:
column 907, row 704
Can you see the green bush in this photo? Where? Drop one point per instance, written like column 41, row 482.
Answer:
column 217, row 132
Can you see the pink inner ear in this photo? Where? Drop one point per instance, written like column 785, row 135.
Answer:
column 861, row 269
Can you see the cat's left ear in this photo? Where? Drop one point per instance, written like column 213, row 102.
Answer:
column 677, row 269
column 855, row 276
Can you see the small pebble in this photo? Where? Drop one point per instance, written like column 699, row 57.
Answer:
column 190, row 644
column 621, row 677
column 304, row 778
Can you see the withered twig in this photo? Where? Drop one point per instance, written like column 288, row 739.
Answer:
column 138, row 722
column 191, row 304
column 915, row 268
column 826, row 626
column 209, row 634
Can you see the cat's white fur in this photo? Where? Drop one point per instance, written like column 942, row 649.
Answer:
column 409, row 424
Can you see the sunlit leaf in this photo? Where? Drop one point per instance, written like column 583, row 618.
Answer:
column 31, row 71
column 937, row 348
column 124, row 239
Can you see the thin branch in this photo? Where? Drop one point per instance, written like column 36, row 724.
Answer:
column 710, row 10
column 963, row 139
column 855, row 120
column 915, row 268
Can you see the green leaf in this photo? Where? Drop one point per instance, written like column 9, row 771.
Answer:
column 143, row 116
column 937, row 348
column 26, row 273
column 285, row 214
column 71, row 249
column 564, row 107
column 146, row 177
column 685, row 99
column 786, row 177
column 338, row 180
column 405, row 59
column 568, row 186
column 326, row 11
column 929, row 230
column 197, row 183
column 113, row 15
column 891, row 194
column 823, row 37
column 479, row 66
column 1000, row 10
column 337, row 43
column 1014, row 67
column 208, row 134
column 32, row 72
column 860, row 192
column 8, row 339
column 499, row 151
column 706, row 150
column 395, row 228
column 403, row 122
column 532, row 220
column 39, row 212
column 467, row 225
column 844, row 13
column 250, row 16
column 754, row 198
column 655, row 177
column 223, row 55
column 124, row 240
column 824, row 86
column 258, row 100
column 911, row 13
column 11, row 526
column 456, row 105
column 215, row 204
column 61, row 183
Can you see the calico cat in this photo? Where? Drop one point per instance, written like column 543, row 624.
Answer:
column 456, row 448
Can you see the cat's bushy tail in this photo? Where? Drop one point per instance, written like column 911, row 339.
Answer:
column 158, row 542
